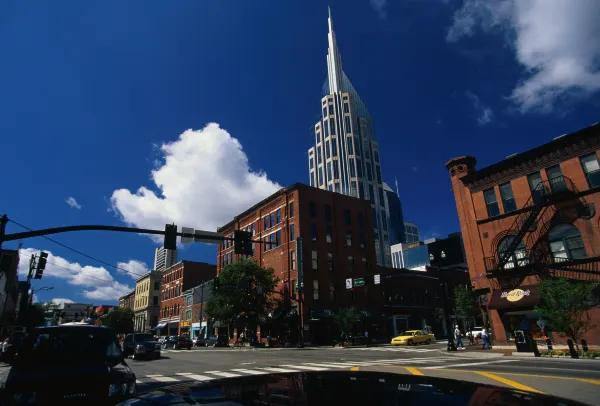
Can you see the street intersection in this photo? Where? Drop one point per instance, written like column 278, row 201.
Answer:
column 573, row 379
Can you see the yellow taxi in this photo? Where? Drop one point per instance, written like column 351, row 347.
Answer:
column 413, row 337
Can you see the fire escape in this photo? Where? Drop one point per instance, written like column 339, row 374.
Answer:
column 528, row 252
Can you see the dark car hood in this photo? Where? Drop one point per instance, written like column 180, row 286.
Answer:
column 341, row 388
column 69, row 372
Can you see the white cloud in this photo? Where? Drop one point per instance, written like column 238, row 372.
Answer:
column 379, row 6
column 134, row 268
column 203, row 182
column 485, row 114
column 61, row 300
column 73, row 203
column 556, row 41
column 103, row 285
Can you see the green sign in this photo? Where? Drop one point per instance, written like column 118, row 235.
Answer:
column 359, row 282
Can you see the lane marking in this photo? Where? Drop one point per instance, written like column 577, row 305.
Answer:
column 194, row 376
column 161, row 378
column 354, row 368
column 326, row 365
column 219, row 373
column 414, row 371
column 309, row 368
column 592, row 381
column 471, row 364
column 566, row 378
column 280, row 369
column 508, row 382
column 249, row 371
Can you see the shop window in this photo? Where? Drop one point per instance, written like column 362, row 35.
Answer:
column 518, row 257
column 566, row 243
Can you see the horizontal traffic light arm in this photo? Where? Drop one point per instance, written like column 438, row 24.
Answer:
column 57, row 230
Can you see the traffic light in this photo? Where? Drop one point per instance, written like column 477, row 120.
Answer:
column 170, row 237
column 41, row 265
column 215, row 284
column 243, row 242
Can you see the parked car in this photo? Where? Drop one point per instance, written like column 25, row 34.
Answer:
column 141, row 345
column 212, row 341
column 412, row 337
column 178, row 342
column 65, row 364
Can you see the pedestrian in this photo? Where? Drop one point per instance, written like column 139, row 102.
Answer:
column 484, row 338
column 471, row 340
column 269, row 340
column 366, row 337
column 458, row 338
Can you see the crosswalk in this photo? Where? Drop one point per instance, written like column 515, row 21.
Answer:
column 430, row 362
column 392, row 349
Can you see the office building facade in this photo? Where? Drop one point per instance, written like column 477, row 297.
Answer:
column 411, row 233
column 397, row 231
column 164, row 258
column 345, row 155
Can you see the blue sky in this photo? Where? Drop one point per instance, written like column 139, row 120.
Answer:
column 96, row 100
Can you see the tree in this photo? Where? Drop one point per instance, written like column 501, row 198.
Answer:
column 237, row 301
column 465, row 302
column 36, row 316
column 347, row 319
column 120, row 319
column 565, row 305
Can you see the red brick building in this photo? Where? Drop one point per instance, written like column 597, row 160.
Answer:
column 336, row 247
column 175, row 280
column 529, row 217
column 127, row 301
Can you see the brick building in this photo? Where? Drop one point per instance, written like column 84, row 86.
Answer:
column 127, row 301
column 175, row 280
column 336, row 246
column 529, row 217
column 201, row 324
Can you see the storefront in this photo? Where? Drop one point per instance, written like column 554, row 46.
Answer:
column 184, row 328
column 515, row 310
column 195, row 330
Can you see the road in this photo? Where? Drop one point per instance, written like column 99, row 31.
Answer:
column 572, row 379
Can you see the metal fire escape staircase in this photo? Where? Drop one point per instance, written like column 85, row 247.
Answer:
column 549, row 199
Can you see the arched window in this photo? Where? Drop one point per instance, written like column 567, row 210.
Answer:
column 566, row 243
column 518, row 257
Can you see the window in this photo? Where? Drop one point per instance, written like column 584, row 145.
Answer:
column 327, row 151
column 278, row 238
column 331, row 109
column 331, row 292
column 360, row 220
column 291, row 210
column 349, row 145
column 566, row 243
column 356, row 146
column 313, row 231
column 518, row 257
column 320, row 176
column 330, row 262
column 556, row 179
column 383, row 220
column 591, row 168
column 272, row 215
column 188, row 315
column 491, row 202
column 266, row 222
column 332, row 126
column 363, row 240
column 337, row 185
column 324, row 112
column 189, row 300
column 278, row 216
column 316, row 289
column 293, row 259
column 328, row 233
column 361, row 191
column 348, row 127
column 359, row 168
column 315, row 262
column 336, row 172
column 312, row 179
column 329, row 177
column 376, row 155
column 534, row 180
column 346, row 108
column 313, row 209
column 319, row 158
column 508, row 199
column 155, row 300
column 327, row 213
column 378, row 172
column 334, row 147
column 349, row 238
column 352, row 168
column 365, row 264
column 177, row 290
column 156, row 285
column 330, row 187
column 292, row 232
column 350, row 263
column 369, row 171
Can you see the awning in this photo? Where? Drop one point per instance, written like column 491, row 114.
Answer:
column 522, row 297
column 160, row 325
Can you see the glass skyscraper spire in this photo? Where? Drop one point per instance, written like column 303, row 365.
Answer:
column 345, row 155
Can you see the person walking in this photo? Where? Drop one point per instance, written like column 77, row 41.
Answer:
column 471, row 340
column 485, row 340
column 458, row 338
column 366, row 338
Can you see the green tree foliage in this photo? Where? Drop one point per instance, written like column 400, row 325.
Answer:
column 565, row 305
column 120, row 319
column 236, row 301
column 36, row 315
column 465, row 302
column 347, row 319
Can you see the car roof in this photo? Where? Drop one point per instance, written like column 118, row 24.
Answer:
column 412, row 331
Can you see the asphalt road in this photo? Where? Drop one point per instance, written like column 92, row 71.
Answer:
column 572, row 379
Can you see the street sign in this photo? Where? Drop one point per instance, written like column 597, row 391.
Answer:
column 349, row 283
column 376, row 279
column 188, row 236
column 359, row 282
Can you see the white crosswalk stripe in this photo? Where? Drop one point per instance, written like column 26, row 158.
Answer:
column 280, row 370
column 162, row 378
column 393, row 349
column 250, row 371
column 190, row 375
column 306, row 367
column 223, row 374
column 468, row 364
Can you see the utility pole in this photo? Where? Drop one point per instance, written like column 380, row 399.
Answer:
column 3, row 221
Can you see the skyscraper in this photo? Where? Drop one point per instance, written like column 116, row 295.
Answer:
column 164, row 258
column 396, row 226
column 345, row 155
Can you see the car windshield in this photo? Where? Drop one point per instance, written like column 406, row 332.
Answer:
column 143, row 337
column 73, row 345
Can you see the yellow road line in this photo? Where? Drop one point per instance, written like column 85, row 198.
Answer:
column 508, row 382
column 566, row 378
column 593, row 381
column 354, row 368
column 414, row 371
